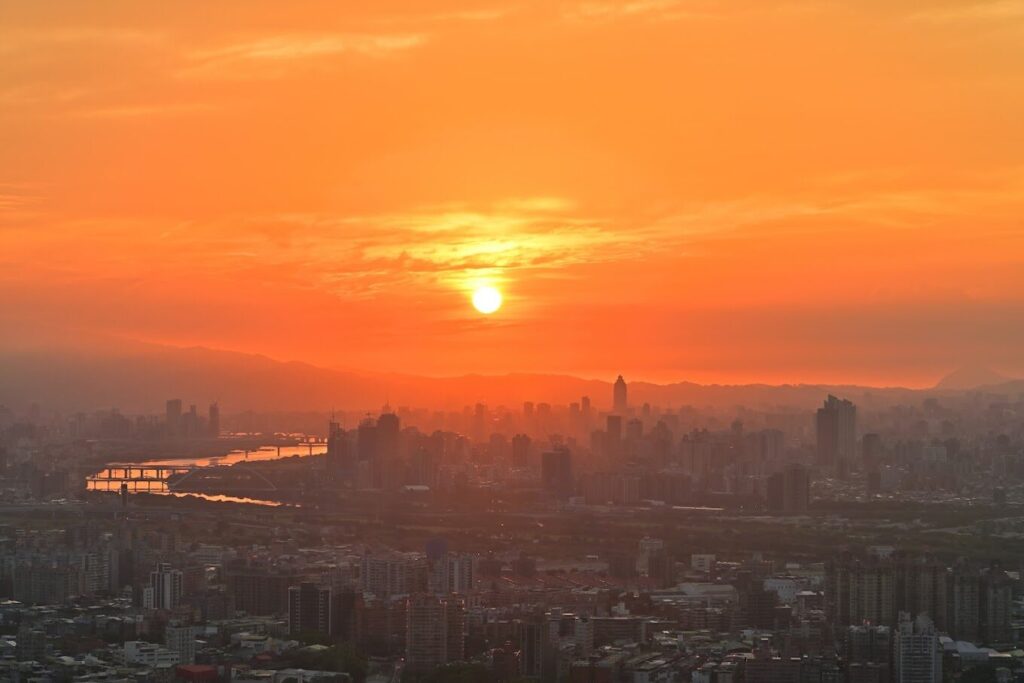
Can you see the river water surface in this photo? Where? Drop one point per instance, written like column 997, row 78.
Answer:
column 99, row 482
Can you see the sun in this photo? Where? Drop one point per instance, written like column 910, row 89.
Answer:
column 486, row 300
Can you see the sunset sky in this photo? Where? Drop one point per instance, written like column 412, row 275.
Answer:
column 731, row 191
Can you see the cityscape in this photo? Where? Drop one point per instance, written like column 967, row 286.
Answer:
column 512, row 341
column 603, row 540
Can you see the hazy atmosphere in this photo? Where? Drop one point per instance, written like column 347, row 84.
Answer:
column 717, row 192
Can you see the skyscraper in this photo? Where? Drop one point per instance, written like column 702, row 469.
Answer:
column 789, row 490
column 613, row 427
column 387, row 474
column 309, row 609
column 435, row 632
column 164, row 590
column 173, row 417
column 836, row 432
column 520, row 451
column 366, row 450
column 619, row 402
column 213, row 420
column 339, row 454
column 871, row 451
column 458, row 573
column 556, row 471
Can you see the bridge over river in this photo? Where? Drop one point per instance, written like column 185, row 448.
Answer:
column 169, row 475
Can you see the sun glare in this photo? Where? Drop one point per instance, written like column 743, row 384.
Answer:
column 486, row 300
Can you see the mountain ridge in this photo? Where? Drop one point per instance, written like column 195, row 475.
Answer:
column 141, row 377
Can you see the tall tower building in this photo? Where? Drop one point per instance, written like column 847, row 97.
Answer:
column 620, row 404
column 459, row 573
column 556, row 471
column 213, row 420
column 172, row 417
column 309, row 609
column 164, row 590
column 435, row 633
column 836, row 424
column 789, row 490
column 388, row 474
column 520, row 451
column 339, row 454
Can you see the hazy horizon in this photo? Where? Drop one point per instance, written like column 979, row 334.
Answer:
column 135, row 347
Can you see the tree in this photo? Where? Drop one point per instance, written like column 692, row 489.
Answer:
column 341, row 658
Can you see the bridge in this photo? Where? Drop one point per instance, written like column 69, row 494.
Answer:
column 137, row 477
column 158, row 478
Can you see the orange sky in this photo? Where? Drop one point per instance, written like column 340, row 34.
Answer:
column 731, row 191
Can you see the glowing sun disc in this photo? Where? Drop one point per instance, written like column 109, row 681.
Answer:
column 487, row 300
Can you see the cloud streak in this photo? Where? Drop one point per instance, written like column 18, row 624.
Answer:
column 273, row 56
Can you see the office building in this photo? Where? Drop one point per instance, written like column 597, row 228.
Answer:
column 620, row 403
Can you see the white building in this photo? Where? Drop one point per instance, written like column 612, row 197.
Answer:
column 917, row 656
column 149, row 654
column 702, row 563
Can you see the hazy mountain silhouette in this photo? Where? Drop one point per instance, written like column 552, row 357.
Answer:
column 971, row 377
column 139, row 378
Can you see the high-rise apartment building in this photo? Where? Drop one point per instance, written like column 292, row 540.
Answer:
column 435, row 632
column 556, row 472
column 172, row 417
column 260, row 591
column 213, row 420
column 836, row 424
column 165, row 588
column 917, row 656
column 309, row 609
column 789, row 491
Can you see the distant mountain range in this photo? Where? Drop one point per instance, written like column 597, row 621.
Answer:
column 140, row 379
column 971, row 378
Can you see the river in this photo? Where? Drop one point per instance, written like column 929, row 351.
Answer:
column 99, row 482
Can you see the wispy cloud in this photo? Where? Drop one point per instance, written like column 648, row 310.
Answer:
column 272, row 56
column 452, row 245
column 995, row 10
column 611, row 10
